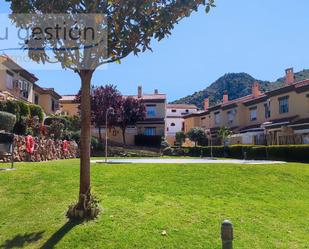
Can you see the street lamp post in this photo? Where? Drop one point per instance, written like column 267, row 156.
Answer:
column 109, row 110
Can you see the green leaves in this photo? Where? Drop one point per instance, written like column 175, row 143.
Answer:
column 132, row 24
column 209, row 5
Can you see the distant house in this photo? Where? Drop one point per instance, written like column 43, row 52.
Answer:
column 68, row 106
column 175, row 120
column 279, row 116
column 16, row 83
column 152, row 125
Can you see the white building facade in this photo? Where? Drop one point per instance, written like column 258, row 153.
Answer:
column 174, row 119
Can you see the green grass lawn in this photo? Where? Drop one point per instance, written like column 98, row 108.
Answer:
column 268, row 205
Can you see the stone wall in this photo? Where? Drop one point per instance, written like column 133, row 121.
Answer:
column 44, row 150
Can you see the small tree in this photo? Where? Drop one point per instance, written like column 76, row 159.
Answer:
column 196, row 135
column 130, row 25
column 180, row 137
column 130, row 112
column 103, row 98
column 224, row 133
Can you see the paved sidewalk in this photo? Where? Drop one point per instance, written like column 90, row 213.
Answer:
column 184, row 161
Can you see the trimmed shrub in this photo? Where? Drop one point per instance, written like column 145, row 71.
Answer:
column 50, row 120
column 296, row 153
column 75, row 136
column 36, row 111
column 164, row 144
column 149, row 141
column 20, row 127
column 168, row 151
column 178, row 152
column 24, row 110
column 7, row 121
column 13, row 107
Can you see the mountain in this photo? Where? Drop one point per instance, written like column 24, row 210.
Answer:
column 237, row 85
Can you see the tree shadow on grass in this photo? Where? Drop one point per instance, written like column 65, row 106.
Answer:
column 57, row 236
column 20, row 241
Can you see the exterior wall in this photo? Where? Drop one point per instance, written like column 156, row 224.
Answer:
column 159, row 109
column 69, row 108
column 206, row 121
column 45, row 101
column 246, row 115
column 298, row 105
column 175, row 120
column 159, row 128
column 2, row 79
column 192, row 122
column 15, row 91
column 174, row 125
column 115, row 134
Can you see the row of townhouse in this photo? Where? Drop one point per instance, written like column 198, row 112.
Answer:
column 152, row 125
column 279, row 116
column 162, row 119
column 16, row 83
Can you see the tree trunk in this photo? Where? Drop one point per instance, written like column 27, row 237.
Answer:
column 124, row 135
column 85, row 139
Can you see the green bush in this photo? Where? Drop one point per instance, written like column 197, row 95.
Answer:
column 12, row 107
column 75, row 135
column 148, row 141
column 297, row 153
column 36, row 111
column 50, row 120
column 24, row 110
column 73, row 123
column 20, row 127
column 7, row 121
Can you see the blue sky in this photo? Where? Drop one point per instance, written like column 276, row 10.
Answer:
column 260, row 37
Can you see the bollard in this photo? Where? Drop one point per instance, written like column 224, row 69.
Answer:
column 227, row 235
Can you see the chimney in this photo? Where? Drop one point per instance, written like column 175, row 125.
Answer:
column 289, row 76
column 256, row 89
column 139, row 92
column 225, row 97
column 156, row 91
column 206, row 104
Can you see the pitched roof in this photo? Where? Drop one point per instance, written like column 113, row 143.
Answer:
column 12, row 65
column 68, row 97
column 43, row 90
column 180, row 106
column 150, row 96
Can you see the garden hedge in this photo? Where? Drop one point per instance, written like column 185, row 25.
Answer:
column 36, row 111
column 148, row 141
column 297, row 153
column 7, row 121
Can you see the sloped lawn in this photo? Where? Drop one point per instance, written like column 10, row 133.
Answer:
column 268, row 205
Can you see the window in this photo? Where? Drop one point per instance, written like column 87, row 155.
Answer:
column 284, row 104
column 151, row 111
column 173, row 110
column 9, row 81
column 173, row 124
column 231, row 116
column 36, row 99
column 53, row 105
column 253, row 113
column 267, row 110
column 217, row 118
column 187, row 111
column 150, row 131
column 24, row 88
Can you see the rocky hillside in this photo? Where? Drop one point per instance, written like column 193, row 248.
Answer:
column 237, row 85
